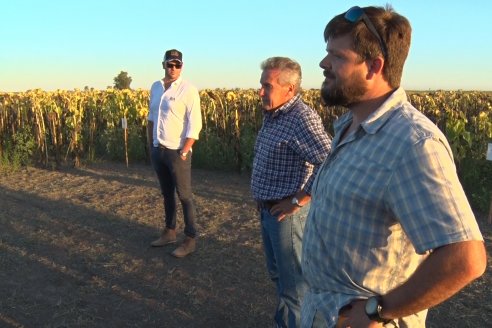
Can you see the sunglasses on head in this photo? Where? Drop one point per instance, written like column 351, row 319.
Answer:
column 356, row 14
column 174, row 65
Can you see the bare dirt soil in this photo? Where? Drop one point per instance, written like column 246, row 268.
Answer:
column 74, row 252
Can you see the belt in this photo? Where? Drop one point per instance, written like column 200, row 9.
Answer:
column 267, row 204
column 165, row 148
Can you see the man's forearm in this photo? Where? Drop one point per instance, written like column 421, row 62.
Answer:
column 445, row 272
column 187, row 145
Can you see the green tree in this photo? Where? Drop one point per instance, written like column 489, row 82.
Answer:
column 122, row 81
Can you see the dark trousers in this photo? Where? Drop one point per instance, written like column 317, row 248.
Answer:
column 174, row 176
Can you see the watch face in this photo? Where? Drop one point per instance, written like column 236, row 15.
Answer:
column 372, row 306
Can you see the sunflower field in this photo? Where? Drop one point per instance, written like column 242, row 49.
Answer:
column 52, row 128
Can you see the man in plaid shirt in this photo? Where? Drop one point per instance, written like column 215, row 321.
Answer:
column 290, row 147
column 390, row 232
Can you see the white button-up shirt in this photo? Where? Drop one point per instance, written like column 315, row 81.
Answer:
column 175, row 112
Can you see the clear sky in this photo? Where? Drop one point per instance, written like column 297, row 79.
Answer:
column 63, row 44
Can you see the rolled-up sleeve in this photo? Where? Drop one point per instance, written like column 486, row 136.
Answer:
column 194, row 115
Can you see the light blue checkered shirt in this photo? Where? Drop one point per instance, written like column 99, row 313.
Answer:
column 385, row 197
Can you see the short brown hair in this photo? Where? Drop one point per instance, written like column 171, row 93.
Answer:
column 395, row 32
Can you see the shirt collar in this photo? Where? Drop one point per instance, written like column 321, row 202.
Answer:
column 379, row 117
column 285, row 108
column 175, row 82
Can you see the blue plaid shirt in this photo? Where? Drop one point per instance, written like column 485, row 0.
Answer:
column 289, row 149
column 386, row 196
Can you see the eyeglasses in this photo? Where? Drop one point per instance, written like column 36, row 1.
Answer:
column 170, row 65
column 356, row 14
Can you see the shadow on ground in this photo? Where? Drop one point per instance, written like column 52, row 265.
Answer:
column 75, row 253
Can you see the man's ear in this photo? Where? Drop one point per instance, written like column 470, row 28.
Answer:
column 375, row 67
column 291, row 88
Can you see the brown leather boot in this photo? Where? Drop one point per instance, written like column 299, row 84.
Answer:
column 168, row 236
column 187, row 247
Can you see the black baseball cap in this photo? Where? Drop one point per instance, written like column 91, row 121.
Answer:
column 173, row 55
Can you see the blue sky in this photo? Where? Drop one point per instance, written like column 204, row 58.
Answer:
column 72, row 44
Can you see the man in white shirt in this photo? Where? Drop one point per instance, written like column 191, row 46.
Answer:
column 174, row 123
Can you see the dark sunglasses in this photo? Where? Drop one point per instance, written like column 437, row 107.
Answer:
column 356, row 14
column 171, row 65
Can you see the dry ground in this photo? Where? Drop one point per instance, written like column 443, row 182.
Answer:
column 74, row 252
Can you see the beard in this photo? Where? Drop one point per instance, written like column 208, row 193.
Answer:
column 343, row 94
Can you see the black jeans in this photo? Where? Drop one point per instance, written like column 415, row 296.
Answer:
column 174, row 175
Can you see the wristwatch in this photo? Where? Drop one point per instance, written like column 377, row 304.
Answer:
column 374, row 307
column 295, row 202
